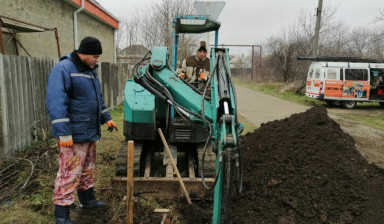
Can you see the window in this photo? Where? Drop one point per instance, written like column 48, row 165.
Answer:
column 341, row 74
column 331, row 74
column 356, row 74
column 310, row 73
column 317, row 73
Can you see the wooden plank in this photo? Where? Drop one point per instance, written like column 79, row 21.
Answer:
column 115, row 83
column 16, row 102
column 46, row 122
column 165, row 187
column 32, row 92
column 162, row 210
column 29, row 102
column 130, row 163
column 25, row 132
column 3, row 111
column 39, row 97
column 10, row 119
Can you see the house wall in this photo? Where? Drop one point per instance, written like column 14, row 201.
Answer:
column 50, row 14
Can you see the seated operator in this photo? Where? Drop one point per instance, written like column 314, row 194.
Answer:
column 377, row 81
column 195, row 69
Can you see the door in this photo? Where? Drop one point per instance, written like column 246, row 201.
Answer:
column 333, row 86
column 314, row 82
column 356, row 85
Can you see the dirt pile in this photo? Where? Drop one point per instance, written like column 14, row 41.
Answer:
column 305, row 169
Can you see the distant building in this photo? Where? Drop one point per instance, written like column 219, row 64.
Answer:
column 241, row 61
column 28, row 27
column 131, row 54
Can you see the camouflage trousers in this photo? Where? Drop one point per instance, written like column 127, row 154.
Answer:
column 76, row 166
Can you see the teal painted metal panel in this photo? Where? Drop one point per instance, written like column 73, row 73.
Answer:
column 139, row 104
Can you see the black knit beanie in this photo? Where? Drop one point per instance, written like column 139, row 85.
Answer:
column 90, row 46
column 202, row 46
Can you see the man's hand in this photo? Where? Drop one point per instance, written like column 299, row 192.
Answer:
column 203, row 76
column 182, row 75
column 111, row 125
column 66, row 141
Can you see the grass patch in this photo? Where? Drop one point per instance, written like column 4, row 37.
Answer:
column 33, row 202
column 374, row 121
column 248, row 126
column 108, row 148
column 21, row 212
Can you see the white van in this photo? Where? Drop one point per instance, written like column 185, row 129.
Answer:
column 345, row 81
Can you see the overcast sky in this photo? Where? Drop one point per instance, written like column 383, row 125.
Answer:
column 254, row 21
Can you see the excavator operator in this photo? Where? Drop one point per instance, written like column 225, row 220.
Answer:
column 195, row 69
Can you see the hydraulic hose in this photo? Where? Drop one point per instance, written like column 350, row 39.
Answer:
column 239, row 170
column 210, row 134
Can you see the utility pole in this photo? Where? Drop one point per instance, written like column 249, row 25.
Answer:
column 317, row 29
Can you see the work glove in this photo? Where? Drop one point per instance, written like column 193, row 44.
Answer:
column 182, row 75
column 65, row 141
column 203, row 76
column 111, row 125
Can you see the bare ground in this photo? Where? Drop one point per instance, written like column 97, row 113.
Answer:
column 368, row 141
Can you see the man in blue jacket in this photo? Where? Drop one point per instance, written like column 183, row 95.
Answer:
column 76, row 107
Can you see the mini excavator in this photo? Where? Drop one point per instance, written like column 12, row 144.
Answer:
column 200, row 125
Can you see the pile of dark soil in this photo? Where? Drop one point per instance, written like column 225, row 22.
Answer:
column 305, row 169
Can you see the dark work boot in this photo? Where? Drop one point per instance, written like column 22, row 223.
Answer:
column 88, row 200
column 62, row 214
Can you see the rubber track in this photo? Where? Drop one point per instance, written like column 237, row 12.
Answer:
column 121, row 160
column 209, row 161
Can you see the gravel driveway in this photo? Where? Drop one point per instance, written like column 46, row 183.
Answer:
column 260, row 108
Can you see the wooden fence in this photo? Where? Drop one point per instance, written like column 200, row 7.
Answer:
column 23, row 115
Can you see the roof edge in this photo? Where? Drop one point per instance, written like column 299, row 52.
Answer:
column 94, row 9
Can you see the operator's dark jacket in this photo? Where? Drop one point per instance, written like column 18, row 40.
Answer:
column 193, row 63
column 74, row 100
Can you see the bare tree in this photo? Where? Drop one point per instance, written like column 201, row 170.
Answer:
column 152, row 26
column 358, row 43
column 376, row 45
column 297, row 41
column 128, row 32
column 380, row 17
column 336, row 40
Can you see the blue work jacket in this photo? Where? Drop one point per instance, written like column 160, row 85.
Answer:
column 74, row 100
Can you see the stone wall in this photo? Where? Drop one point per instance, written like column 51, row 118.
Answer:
column 50, row 14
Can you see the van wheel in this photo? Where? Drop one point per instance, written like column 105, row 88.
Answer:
column 330, row 103
column 349, row 104
column 333, row 103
